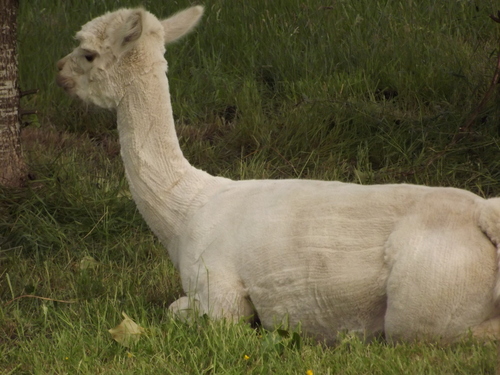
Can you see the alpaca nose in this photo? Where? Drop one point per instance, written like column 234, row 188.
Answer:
column 60, row 64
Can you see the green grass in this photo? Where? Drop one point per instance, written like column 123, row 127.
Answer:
column 366, row 92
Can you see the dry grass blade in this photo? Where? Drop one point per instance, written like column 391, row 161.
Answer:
column 37, row 297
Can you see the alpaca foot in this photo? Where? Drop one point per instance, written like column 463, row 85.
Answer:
column 232, row 306
column 185, row 309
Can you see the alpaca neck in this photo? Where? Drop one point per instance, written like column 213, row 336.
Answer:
column 162, row 182
column 147, row 132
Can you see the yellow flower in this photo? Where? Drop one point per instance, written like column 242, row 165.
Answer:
column 309, row 372
column 130, row 355
column 246, row 357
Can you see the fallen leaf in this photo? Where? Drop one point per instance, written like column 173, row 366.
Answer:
column 127, row 332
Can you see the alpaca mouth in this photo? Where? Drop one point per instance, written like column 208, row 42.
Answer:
column 65, row 83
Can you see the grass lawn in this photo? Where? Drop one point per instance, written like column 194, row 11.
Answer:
column 358, row 91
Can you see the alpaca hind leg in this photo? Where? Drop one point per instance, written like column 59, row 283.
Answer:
column 440, row 284
column 487, row 330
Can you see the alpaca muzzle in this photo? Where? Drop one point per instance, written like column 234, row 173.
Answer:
column 62, row 81
column 65, row 82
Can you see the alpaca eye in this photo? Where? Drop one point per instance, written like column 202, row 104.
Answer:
column 89, row 58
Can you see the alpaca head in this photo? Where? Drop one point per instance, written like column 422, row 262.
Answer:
column 118, row 47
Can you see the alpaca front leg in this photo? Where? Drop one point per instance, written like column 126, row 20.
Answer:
column 185, row 308
column 229, row 305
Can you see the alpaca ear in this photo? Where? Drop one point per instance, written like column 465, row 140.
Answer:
column 132, row 29
column 129, row 32
column 181, row 23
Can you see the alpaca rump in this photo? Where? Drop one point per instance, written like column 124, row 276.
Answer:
column 407, row 261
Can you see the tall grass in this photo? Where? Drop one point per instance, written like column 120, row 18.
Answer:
column 397, row 79
column 366, row 92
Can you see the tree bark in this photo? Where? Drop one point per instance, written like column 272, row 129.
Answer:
column 12, row 166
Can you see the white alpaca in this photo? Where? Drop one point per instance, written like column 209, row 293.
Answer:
column 410, row 262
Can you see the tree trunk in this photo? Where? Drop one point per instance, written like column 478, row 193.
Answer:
column 12, row 167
